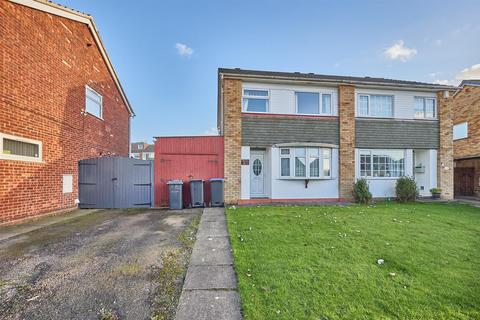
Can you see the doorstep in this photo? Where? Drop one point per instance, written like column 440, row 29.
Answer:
column 210, row 288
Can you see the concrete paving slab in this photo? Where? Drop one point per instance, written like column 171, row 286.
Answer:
column 213, row 218
column 210, row 277
column 209, row 305
column 212, row 229
column 203, row 256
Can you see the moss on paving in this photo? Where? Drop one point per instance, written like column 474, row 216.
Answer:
column 297, row 262
column 172, row 273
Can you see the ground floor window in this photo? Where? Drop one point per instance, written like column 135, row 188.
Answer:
column 19, row 148
column 305, row 162
column 382, row 163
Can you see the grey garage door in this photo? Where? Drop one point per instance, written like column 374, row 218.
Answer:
column 115, row 182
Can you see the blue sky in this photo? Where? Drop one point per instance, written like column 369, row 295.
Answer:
column 167, row 52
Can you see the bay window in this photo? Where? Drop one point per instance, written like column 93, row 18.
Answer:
column 308, row 163
column 382, row 163
column 255, row 100
column 369, row 105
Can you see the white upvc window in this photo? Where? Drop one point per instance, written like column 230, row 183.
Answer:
column 305, row 163
column 382, row 163
column 313, row 103
column 19, row 148
column 375, row 105
column 93, row 102
column 460, row 131
column 255, row 100
column 425, row 107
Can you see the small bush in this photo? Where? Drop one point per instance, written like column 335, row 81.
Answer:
column 406, row 189
column 361, row 193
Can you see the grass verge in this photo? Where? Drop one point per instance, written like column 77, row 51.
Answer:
column 321, row 262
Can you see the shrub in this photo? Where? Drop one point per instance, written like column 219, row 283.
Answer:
column 361, row 193
column 435, row 190
column 406, row 189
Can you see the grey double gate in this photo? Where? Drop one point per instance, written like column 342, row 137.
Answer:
column 115, row 182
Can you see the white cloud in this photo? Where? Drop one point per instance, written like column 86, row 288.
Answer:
column 183, row 49
column 470, row 73
column 438, row 42
column 211, row 132
column 446, row 82
column 399, row 52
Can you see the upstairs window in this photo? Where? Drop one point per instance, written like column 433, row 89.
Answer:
column 308, row 163
column 314, row 103
column 17, row 148
column 93, row 102
column 380, row 106
column 460, row 131
column 425, row 107
column 255, row 100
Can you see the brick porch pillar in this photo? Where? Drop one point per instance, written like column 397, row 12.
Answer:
column 445, row 150
column 232, row 93
column 346, row 114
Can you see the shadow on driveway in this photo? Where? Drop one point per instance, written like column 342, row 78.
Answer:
column 100, row 264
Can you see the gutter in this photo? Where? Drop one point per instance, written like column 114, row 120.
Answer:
column 337, row 82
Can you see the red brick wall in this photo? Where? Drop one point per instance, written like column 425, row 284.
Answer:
column 45, row 65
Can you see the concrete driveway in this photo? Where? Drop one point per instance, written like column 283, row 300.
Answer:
column 107, row 264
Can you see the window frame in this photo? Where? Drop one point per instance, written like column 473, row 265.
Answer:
column 369, row 107
column 466, row 131
column 425, row 98
column 4, row 156
column 371, row 153
column 267, row 98
column 293, row 155
column 88, row 88
column 320, row 103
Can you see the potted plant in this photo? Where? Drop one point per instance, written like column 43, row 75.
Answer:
column 435, row 193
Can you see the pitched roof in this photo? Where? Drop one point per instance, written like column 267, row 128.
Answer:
column 475, row 83
column 62, row 11
column 334, row 79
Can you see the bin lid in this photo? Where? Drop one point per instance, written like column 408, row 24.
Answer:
column 216, row 179
column 175, row 182
column 196, row 180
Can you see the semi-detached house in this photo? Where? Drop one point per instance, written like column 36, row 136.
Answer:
column 306, row 137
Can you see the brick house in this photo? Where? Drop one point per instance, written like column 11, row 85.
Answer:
column 61, row 101
column 466, row 138
column 142, row 150
column 306, row 137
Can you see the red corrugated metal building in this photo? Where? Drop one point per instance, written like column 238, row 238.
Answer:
column 185, row 158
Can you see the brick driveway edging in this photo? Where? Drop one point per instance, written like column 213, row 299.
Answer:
column 210, row 288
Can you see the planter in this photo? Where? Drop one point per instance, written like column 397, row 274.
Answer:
column 435, row 195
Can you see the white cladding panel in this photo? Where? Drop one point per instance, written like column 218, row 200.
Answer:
column 403, row 101
column 282, row 97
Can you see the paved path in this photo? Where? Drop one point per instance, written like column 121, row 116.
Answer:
column 210, row 289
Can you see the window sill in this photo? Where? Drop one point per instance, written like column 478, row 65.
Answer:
column 380, row 178
column 20, row 158
column 305, row 178
column 91, row 114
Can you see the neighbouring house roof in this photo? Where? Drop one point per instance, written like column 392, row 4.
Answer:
column 475, row 83
column 135, row 146
column 150, row 148
column 62, row 11
column 331, row 79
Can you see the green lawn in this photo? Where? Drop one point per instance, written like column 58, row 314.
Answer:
column 297, row 262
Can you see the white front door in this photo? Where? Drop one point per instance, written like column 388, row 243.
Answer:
column 257, row 174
